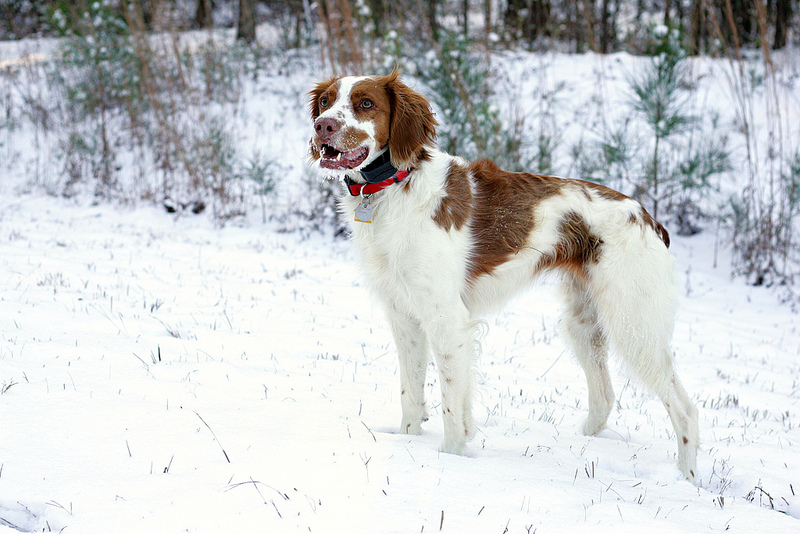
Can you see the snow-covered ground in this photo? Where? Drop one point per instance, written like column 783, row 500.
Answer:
column 160, row 374
column 163, row 375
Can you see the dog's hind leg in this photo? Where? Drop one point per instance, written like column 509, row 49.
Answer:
column 638, row 318
column 412, row 350
column 590, row 346
column 683, row 414
column 654, row 365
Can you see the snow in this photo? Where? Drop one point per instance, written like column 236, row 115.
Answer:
column 141, row 352
column 162, row 374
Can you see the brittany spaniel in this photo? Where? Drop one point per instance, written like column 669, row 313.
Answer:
column 443, row 240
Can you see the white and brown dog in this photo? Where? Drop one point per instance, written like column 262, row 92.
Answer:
column 444, row 240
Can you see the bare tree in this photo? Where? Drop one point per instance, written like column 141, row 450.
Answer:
column 783, row 17
column 606, row 28
column 699, row 28
column 246, row 29
column 202, row 15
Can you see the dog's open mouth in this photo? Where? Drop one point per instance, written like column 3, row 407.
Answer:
column 337, row 160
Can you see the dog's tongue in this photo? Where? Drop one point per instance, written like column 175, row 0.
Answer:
column 345, row 160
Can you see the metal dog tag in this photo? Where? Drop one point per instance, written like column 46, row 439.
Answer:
column 364, row 213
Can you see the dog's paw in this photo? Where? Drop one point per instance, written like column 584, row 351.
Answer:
column 411, row 426
column 592, row 428
column 454, row 446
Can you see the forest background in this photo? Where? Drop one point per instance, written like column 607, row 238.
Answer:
column 140, row 100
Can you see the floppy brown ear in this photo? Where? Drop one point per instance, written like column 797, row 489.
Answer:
column 412, row 126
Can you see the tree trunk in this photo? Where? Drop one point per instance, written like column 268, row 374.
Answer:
column 605, row 28
column 433, row 22
column 588, row 18
column 539, row 18
column 487, row 10
column 246, row 29
column 202, row 16
column 465, row 10
column 698, row 27
column 512, row 19
column 783, row 15
column 377, row 11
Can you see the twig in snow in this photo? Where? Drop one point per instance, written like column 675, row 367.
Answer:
column 59, row 505
column 256, row 483
column 215, row 437
column 276, row 509
column 370, row 432
column 261, row 494
column 10, row 524
column 551, row 365
column 366, row 460
column 146, row 365
column 441, row 521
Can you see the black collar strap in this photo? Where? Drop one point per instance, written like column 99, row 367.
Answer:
column 379, row 170
column 378, row 175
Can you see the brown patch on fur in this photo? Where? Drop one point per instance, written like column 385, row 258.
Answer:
column 610, row 194
column 685, row 440
column 328, row 88
column 577, row 248
column 455, row 208
column 660, row 231
column 502, row 215
column 605, row 192
column 380, row 111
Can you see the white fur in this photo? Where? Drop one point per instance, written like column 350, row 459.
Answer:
column 418, row 271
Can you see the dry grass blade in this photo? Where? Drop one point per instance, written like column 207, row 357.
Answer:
column 215, row 437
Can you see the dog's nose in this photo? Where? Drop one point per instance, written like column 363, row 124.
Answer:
column 326, row 127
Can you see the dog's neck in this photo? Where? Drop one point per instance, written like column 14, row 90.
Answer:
column 378, row 175
column 379, row 169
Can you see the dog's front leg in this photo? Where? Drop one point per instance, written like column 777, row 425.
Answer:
column 412, row 350
column 453, row 343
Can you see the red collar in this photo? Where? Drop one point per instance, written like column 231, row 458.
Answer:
column 358, row 189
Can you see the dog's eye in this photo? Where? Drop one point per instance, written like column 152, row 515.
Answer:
column 323, row 101
column 366, row 103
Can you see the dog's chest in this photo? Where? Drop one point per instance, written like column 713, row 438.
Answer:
column 405, row 255
column 387, row 246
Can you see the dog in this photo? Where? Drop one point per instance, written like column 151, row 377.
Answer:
column 443, row 241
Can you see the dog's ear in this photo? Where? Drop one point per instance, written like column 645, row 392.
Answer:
column 412, row 126
column 314, row 95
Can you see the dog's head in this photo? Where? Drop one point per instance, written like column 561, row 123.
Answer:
column 357, row 117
